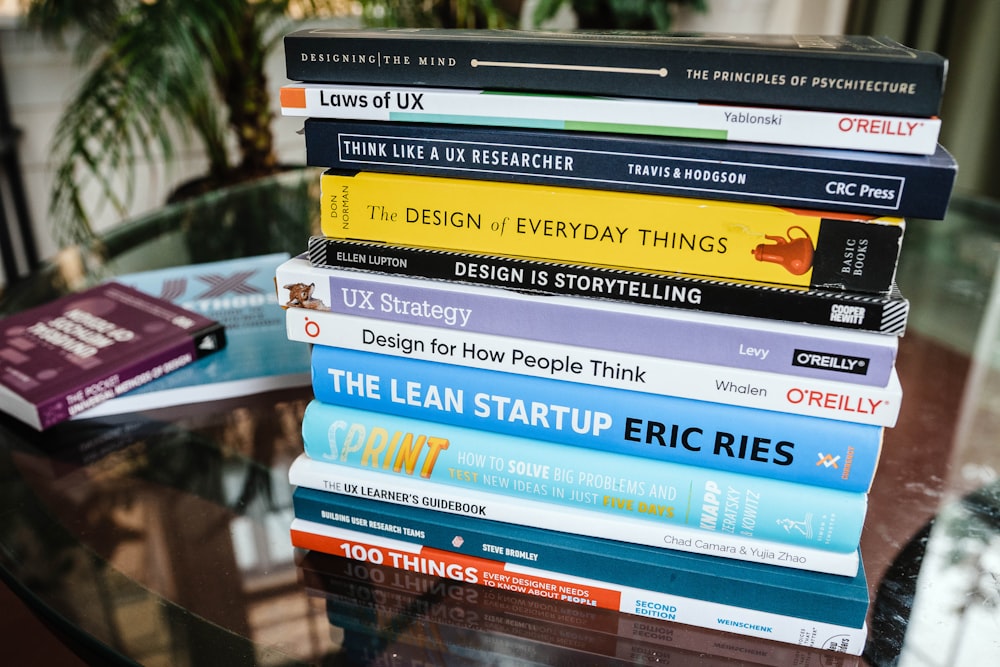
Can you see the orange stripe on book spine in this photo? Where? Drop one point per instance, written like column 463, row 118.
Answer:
column 462, row 567
column 293, row 98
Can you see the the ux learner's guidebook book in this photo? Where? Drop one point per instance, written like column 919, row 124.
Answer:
column 258, row 357
column 59, row 359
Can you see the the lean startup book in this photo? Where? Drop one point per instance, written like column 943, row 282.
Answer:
column 259, row 357
column 61, row 358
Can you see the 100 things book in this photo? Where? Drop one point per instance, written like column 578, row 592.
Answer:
column 64, row 357
column 259, row 357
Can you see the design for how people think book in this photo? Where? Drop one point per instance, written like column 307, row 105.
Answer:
column 823, row 598
column 842, row 72
column 716, row 239
column 886, row 314
column 602, row 593
column 807, row 450
column 717, row 121
column 664, row 493
column 727, row 385
column 831, row 180
column 738, row 342
column 61, row 358
column 541, row 513
column 237, row 292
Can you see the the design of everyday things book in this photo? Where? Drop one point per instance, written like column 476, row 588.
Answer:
column 259, row 357
column 61, row 358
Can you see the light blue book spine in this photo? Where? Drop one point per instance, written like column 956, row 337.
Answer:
column 619, row 484
column 793, row 448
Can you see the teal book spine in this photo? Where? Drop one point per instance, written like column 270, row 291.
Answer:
column 574, row 477
column 794, row 448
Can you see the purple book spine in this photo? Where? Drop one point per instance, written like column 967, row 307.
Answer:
column 737, row 342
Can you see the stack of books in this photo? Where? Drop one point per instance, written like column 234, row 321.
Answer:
column 609, row 319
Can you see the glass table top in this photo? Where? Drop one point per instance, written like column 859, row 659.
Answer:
column 162, row 537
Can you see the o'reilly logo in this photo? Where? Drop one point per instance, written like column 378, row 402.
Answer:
column 830, row 362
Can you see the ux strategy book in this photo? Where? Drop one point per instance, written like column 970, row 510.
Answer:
column 841, row 73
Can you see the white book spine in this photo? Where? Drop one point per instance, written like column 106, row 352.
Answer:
column 861, row 404
column 892, row 134
column 330, row 477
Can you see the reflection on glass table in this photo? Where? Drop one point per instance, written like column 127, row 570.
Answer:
column 161, row 538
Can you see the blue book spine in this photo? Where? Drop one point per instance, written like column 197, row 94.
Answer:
column 671, row 494
column 794, row 448
column 848, row 181
column 825, row 598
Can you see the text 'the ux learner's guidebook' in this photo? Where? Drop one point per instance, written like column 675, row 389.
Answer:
column 61, row 358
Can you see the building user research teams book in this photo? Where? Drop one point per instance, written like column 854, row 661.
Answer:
column 542, row 514
column 707, row 238
column 61, row 358
column 857, row 357
column 842, row 72
column 238, row 293
column 602, row 593
column 668, row 118
column 823, row 598
column 663, row 493
column 855, row 182
column 885, row 314
column 778, row 392
column 806, row 450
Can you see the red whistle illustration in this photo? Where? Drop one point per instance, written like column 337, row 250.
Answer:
column 795, row 254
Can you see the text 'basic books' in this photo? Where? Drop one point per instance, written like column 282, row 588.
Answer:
column 61, row 358
column 880, row 313
column 589, row 305
column 725, row 240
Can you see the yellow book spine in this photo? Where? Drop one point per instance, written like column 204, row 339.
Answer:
column 727, row 240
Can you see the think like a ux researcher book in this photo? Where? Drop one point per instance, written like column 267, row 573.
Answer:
column 660, row 492
column 62, row 358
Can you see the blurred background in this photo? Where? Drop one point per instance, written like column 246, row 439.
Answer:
column 59, row 73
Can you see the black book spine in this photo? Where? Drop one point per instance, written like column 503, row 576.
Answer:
column 821, row 179
column 853, row 74
column 884, row 314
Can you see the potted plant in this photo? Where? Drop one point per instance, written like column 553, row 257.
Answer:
column 656, row 15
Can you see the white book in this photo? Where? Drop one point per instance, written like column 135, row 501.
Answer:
column 669, row 377
column 768, row 125
column 331, row 477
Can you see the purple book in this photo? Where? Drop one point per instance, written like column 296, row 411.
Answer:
column 61, row 358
